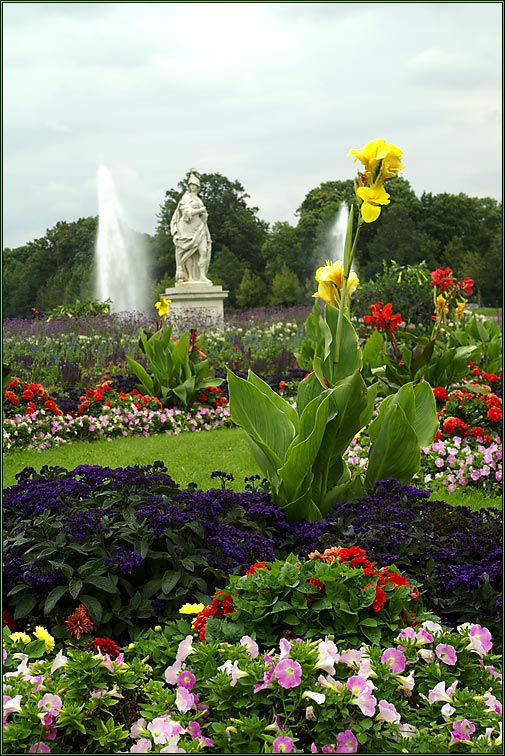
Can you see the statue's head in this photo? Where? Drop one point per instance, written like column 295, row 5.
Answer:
column 193, row 181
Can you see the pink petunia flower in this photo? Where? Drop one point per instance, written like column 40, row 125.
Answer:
column 394, row 659
column 39, row 748
column 186, row 679
column 346, row 742
column 439, row 693
column 481, row 640
column 288, row 673
column 251, row 646
column 163, row 728
column 387, row 712
column 327, row 657
column 447, row 654
column 50, row 704
column 233, row 671
column 184, row 700
column 284, row 744
column 141, row 746
column 461, row 731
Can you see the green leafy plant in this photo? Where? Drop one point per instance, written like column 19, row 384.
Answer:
column 300, row 451
column 338, row 592
column 177, row 370
column 79, row 309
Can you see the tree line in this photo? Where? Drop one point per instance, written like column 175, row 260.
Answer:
column 264, row 265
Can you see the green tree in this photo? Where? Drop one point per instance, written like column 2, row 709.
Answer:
column 252, row 291
column 286, row 289
column 53, row 270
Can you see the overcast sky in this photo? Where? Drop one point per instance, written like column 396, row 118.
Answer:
column 273, row 95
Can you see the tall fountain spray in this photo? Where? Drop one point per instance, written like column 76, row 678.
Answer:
column 120, row 257
column 339, row 230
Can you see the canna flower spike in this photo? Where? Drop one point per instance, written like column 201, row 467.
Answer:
column 381, row 161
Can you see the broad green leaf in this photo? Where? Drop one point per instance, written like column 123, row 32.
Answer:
column 266, row 459
column 301, row 454
column 266, row 421
column 426, row 421
column 93, row 606
column 395, row 452
column 74, row 587
column 404, row 398
column 24, row 606
column 102, row 583
column 53, row 598
column 373, row 351
column 308, row 389
column 278, row 401
column 144, row 377
column 169, row 581
column 352, row 489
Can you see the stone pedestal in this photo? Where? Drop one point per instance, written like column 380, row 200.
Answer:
column 196, row 304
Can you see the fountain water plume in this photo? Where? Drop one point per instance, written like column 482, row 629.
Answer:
column 339, row 230
column 120, row 256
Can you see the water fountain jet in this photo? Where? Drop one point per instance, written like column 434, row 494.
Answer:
column 120, row 256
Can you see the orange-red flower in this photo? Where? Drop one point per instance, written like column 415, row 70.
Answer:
column 80, row 622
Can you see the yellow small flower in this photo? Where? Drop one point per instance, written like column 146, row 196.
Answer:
column 20, row 637
column 157, row 629
column 42, row 634
column 441, row 304
column 163, row 307
column 131, row 646
column 372, row 197
column 460, row 309
column 191, row 608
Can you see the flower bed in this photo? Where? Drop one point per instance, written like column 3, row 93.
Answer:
column 136, row 545
column 431, row 690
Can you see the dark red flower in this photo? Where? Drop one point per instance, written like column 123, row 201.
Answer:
column 440, row 393
column 8, row 620
column 107, row 646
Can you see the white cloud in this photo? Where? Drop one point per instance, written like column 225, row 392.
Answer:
column 271, row 94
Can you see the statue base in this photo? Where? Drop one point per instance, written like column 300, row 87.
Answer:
column 196, row 305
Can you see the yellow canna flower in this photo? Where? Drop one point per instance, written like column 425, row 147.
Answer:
column 191, row 608
column 460, row 309
column 163, row 307
column 380, row 160
column 20, row 637
column 330, row 278
column 441, row 304
column 372, row 196
column 42, row 634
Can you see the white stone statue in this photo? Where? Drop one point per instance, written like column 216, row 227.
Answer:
column 191, row 235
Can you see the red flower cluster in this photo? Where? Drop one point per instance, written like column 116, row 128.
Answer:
column 217, row 608
column 442, row 279
column 104, row 395
column 256, row 566
column 472, row 410
column 356, row 557
column 216, row 398
column 382, row 318
column 26, row 398
column 107, row 646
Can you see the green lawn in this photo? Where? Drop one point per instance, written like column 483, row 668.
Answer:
column 189, row 457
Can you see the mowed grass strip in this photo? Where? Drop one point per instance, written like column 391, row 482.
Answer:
column 190, row 458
